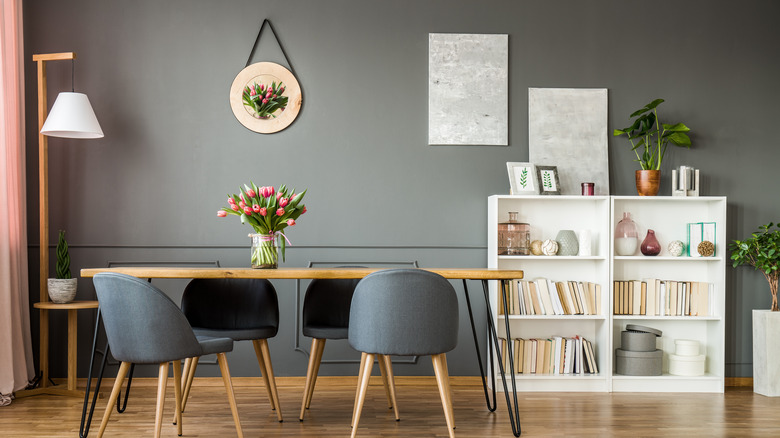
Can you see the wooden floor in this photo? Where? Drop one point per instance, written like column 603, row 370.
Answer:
column 737, row 413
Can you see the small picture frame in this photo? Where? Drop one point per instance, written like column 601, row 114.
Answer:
column 547, row 178
column 522, row 180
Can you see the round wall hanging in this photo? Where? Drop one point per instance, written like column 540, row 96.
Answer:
column 265, row 97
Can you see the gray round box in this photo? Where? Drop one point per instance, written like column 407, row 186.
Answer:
column 638, row 363
column 637, row 341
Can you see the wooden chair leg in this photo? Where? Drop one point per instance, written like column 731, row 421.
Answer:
column 162, row 382
column 188, row 374
column 267, row 370
column 177, row 390
column 124, row 368
column 367, row 362
column 363, row 357
column 443, row 380
column 386, row 368
column 311, row 374
column 223, row 368
column 317, row 362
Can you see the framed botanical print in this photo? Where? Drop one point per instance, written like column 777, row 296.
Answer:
column 547, row 177
column 522, row 178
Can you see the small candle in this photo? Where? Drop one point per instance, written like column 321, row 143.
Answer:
column 587, row 188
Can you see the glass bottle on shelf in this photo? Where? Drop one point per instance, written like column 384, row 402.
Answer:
column 513, row 236
column 626, row 238
column 650, row 246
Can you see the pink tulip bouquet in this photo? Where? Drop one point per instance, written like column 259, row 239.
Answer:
column 265, row 100
column 269, row 211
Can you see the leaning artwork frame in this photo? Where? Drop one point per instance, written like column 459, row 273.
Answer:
column 547, row 178
column 522, row 178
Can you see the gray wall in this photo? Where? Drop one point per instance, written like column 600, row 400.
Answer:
column 158, row 73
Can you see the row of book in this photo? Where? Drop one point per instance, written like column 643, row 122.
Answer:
column 556, row 355
column 654, row 297
column 546, row 297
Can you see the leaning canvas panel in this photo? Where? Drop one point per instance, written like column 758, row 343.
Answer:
column 468, row 96
column 567, row 128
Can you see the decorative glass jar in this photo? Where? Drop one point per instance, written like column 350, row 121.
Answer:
column 626, row 238
column 513, row 236
column 265, row 253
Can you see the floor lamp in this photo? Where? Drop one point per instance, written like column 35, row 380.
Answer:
column 71, row 117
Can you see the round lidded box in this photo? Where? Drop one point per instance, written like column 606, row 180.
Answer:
column 637, row 341
column 638, row 363
column 690, row 366
column 686, row 347
column 643, row 329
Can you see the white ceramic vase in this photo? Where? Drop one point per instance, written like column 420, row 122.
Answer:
column 62, row 291
column 766, row 352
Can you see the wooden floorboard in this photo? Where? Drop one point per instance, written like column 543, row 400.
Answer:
column 737, row 413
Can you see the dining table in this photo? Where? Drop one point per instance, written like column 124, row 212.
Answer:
column 484, row 275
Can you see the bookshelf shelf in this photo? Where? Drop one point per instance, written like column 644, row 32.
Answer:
column 668, row 217
column 553, row 317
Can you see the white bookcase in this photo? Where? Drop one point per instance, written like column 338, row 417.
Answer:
column 547, row 216
column 668, row 217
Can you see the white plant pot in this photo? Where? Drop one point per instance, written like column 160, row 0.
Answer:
column 766, row 352
column 62, row 291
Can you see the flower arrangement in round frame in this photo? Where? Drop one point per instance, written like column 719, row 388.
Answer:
column 265, row 100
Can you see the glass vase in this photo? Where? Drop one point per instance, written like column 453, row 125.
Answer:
column 513, row 236
column 650, row 246
column 626, row 238
column 265, row 251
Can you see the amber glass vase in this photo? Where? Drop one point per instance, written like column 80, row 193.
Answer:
column 513, row 236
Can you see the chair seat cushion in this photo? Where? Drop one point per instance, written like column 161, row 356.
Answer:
column 212, row 345
column 239, row 334
column 325, row 332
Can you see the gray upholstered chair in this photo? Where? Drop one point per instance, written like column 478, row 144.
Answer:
column 236, row 308
column 144, row 326
column 326, row 316
column 404, row 312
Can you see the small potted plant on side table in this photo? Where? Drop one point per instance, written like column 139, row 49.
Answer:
column 762, row 252
column 62, row 289
column 653, row 137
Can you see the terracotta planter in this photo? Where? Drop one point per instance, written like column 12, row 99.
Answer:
column 648, row 182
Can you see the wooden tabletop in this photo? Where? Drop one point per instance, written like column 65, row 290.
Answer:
column 297, row 273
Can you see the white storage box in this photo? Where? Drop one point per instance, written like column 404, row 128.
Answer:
column 690, row 366
column 686, row 347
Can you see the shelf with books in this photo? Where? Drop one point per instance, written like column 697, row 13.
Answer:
column 692, row 303
column 547, row 216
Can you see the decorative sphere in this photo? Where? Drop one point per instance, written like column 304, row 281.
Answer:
column 706, row 248
column 536, row 247
column 549, row 247
column 676, row 248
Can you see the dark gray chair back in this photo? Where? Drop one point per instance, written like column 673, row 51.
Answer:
column 232, row 304
column 142, row 324
column 326, row 305
column 405, row 312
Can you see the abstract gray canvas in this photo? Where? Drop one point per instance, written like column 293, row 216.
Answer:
column 468, row 96
column 567, row 128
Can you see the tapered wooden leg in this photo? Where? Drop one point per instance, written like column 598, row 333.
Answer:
column 162, row 382
column 386, row 368
column 267, row 370
column 120, row 377
column 317, row 362
column 177, row 390
column 188, row 373
column 367, row 362
column 363, row 357
column 443, row 380
column 311, row 374
column 223, row 368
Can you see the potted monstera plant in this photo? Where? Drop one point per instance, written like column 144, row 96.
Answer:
column 62, row 289
column 762, row 251
column 649, row 139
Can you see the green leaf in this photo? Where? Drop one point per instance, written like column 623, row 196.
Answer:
column 679, row 127
column 680, row 139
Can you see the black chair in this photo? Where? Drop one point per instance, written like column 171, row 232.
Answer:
column 326, row 316
column 404, row 312
column 239, row 309
column 144, row 326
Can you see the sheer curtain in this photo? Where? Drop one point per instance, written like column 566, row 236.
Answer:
column 16, row 361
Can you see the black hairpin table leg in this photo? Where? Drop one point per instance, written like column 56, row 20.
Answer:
column 490, row 405
column 514, row 414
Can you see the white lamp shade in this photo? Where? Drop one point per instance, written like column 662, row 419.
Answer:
column 72, row 117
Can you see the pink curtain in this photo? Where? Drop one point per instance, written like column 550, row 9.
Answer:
column 16, row 361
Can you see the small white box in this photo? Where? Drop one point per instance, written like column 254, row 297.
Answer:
column 686, row 347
